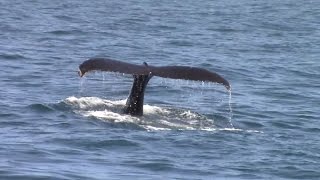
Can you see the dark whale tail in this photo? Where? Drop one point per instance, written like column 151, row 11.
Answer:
column 143, row 73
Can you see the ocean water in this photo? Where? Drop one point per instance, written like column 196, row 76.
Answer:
column 56, row 125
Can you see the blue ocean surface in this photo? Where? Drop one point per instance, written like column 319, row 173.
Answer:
column 56, row 125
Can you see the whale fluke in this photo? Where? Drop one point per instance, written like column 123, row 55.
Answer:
column 173, row 72
column 143, row 73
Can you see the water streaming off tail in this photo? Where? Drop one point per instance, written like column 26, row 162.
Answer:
column 187, row 104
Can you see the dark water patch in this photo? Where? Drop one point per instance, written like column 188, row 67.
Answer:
column 127, row 45
column 65, row 32
column 256, row 118
column 34, row 152
column 285, row 125
column 276, row 26
column 244, row 112
column 14, row 123
column 250, row 124
column 121, row 125
column 40, row 173
column 303, row 174
column 72, row 152
column 289, row 96
column 62, row 124
column 220, row 120
column 115, row 143
column 26, row 176
column 91, row 144
column 156, row 165
column 67, row 18
column 48, row 64
column 12, row 56
column 275, row 113
column 188, row 143
column 245, row 172
column 164, row 27
column 276, row 48
column 181, row 43
column 294, row 171
column 61, row 106
column 306, row 74
column 312, row 130
column 42, row 108
column 226, row 30
column 9, row 115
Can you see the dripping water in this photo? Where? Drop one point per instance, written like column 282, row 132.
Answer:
column 230, row 107
column 81, row 86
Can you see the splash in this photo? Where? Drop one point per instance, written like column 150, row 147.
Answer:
column 155, row 118
column 160, row 118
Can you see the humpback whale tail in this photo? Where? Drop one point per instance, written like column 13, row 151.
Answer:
column 143, row 73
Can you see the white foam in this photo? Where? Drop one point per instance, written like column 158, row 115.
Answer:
column 152, row 128
column 110, row 116
column 88, row 102
column 147, row 109
column 189, row 114
column 155, row 118
column 240, row 130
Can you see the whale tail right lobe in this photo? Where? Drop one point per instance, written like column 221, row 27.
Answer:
column 189, row 73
